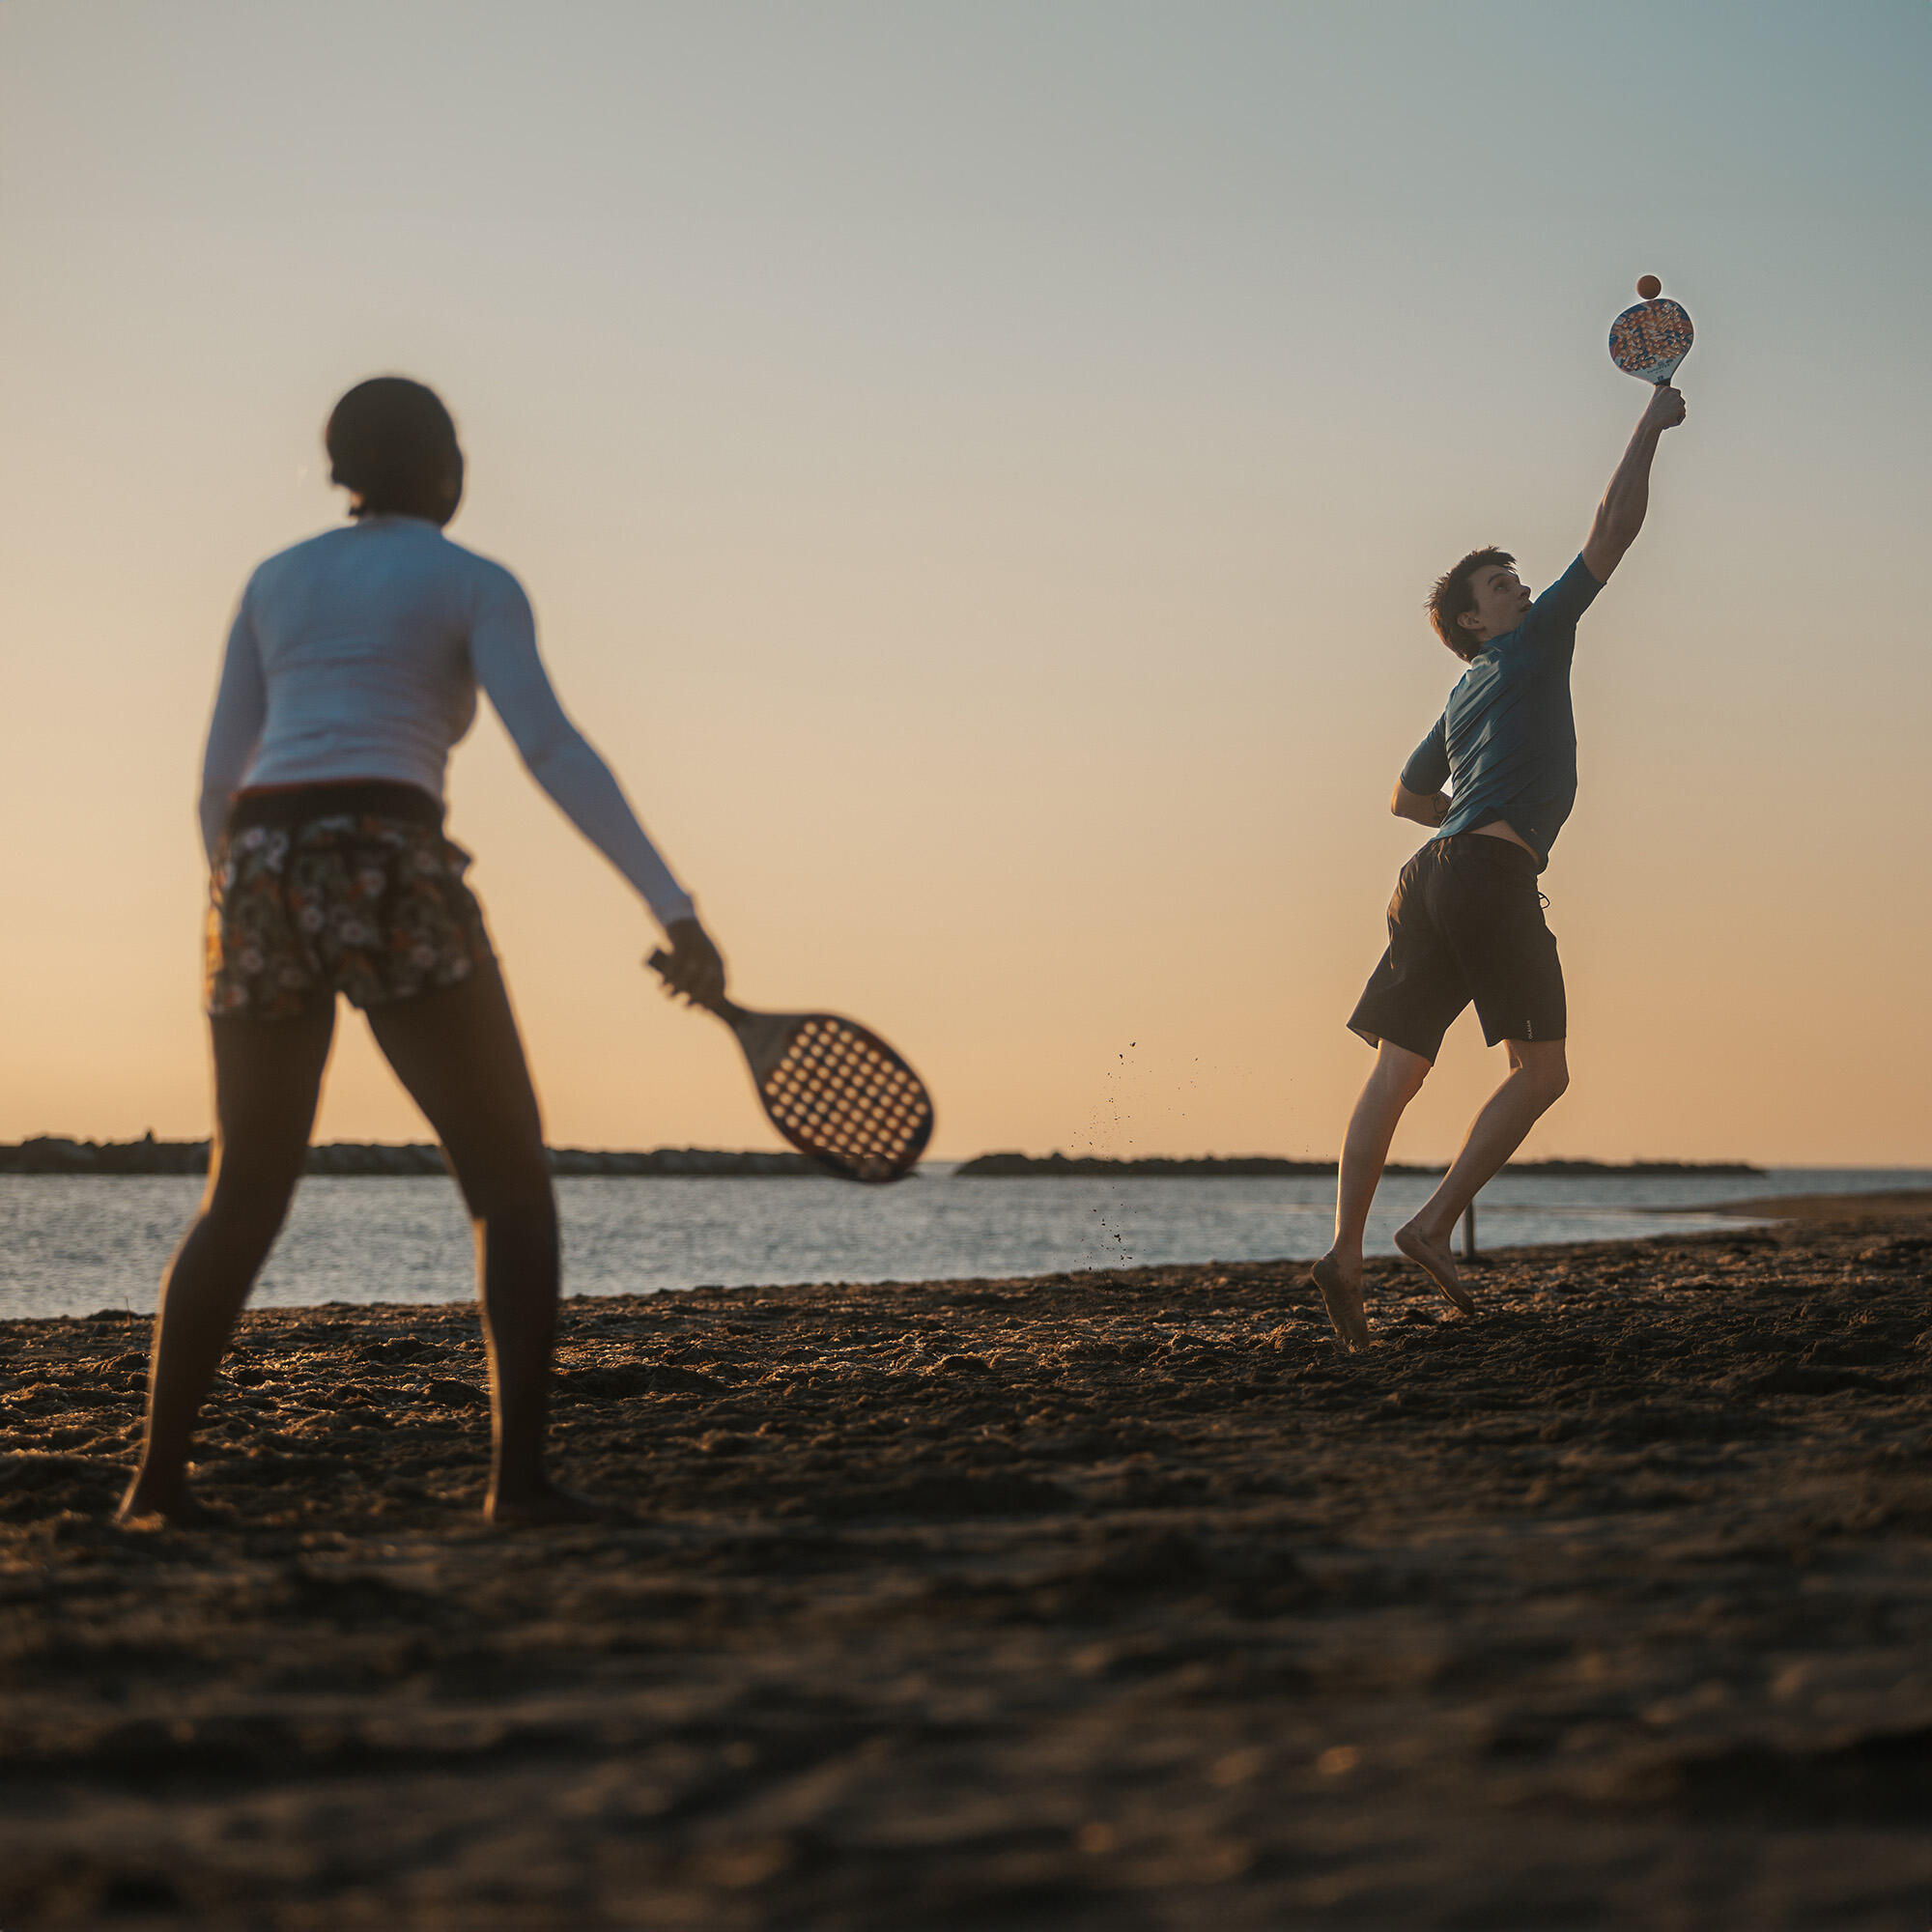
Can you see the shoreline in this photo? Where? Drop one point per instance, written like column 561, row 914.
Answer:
column 1548, row 1240
column 59, row 1153
column 1102, row 1600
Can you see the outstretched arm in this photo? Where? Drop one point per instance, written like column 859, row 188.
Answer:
column 503, row 651
column 1620, row 515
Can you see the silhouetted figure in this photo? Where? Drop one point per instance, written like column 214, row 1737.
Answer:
column 1466, row 919
column 352, row 670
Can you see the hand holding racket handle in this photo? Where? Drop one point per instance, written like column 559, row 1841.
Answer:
column 694, row 966
column 834, row 1089
column 1666, row 408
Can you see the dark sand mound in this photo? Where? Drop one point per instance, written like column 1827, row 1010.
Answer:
column 1906, row 1205
column 1114, row 1600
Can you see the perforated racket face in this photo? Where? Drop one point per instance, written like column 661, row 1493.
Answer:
column 1650, row 340
column 842, row 1095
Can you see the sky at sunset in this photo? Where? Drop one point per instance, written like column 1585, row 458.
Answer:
column 978, row 467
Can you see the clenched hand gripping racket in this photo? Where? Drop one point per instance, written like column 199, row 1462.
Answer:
column 1650, row 340
column 834, row 1089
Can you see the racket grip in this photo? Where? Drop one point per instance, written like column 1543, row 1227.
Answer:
column 660, row 962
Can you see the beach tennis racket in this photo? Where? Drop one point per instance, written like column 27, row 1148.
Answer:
column 834, row 1089
column 1650, row 340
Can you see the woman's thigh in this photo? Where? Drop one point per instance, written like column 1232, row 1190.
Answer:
column 267, row 1079
column 459, row 1054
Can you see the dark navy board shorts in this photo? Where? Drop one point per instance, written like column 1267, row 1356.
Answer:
column 1465, row 924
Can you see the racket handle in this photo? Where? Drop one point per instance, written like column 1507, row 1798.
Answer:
column 660, row 963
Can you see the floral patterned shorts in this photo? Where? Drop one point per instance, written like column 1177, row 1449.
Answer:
column 322, row 891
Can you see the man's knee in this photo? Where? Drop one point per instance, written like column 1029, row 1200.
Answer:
column 1546, row 1067
column 1398, row 1072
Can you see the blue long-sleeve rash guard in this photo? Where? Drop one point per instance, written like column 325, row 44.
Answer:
column 358, row 654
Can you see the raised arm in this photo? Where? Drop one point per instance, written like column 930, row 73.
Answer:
column 1620, row 515
column 503, row 651
column 240, row 708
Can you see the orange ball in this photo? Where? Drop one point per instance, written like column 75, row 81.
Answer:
column 1649, row 287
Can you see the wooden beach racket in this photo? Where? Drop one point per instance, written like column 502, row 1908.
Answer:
column 1650, row 340
column 834, row 1089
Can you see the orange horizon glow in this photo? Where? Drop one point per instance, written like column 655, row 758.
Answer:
column 978, row 475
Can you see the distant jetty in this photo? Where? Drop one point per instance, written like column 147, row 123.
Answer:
column 55, row 1153
column 52, row 1153
column 1642, row 1170
column 1243, row 1166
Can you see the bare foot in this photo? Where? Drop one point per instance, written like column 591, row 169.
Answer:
column 551, row 1505
column 153, row 1505
column 1343, row 1295
column 1435, row 1259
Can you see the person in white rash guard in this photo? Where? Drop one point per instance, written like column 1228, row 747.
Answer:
column 352, row 670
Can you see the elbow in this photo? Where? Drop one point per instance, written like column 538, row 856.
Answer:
column 211, row 819
column 1603, row 553
column 542, row 756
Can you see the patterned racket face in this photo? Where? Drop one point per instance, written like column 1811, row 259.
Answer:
column 1650, row 340
column 842, row 1095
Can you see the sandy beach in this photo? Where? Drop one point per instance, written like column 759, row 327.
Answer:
column 1104, row 1601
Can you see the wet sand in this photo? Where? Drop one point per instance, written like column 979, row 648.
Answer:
column 1107, row 1600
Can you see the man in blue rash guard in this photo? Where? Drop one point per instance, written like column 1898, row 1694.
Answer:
column 1466, row 919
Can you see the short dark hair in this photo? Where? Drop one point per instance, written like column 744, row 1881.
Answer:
column 391, row 440
column 1453, row 597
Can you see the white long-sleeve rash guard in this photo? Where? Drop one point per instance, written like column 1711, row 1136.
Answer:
column 357, row 654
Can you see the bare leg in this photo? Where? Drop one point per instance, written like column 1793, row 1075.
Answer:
column 268, row 1076
column 1538, row 1073
column 459, row 1055
column 1396, row 1081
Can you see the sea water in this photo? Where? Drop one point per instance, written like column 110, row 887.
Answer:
column 73, row 1244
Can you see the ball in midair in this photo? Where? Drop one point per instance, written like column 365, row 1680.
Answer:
column 1649, row 287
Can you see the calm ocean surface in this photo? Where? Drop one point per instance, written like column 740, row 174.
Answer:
column 72, row 1244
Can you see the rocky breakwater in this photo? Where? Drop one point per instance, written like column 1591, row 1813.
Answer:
column 53, row 1154
column 1271, row 1167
